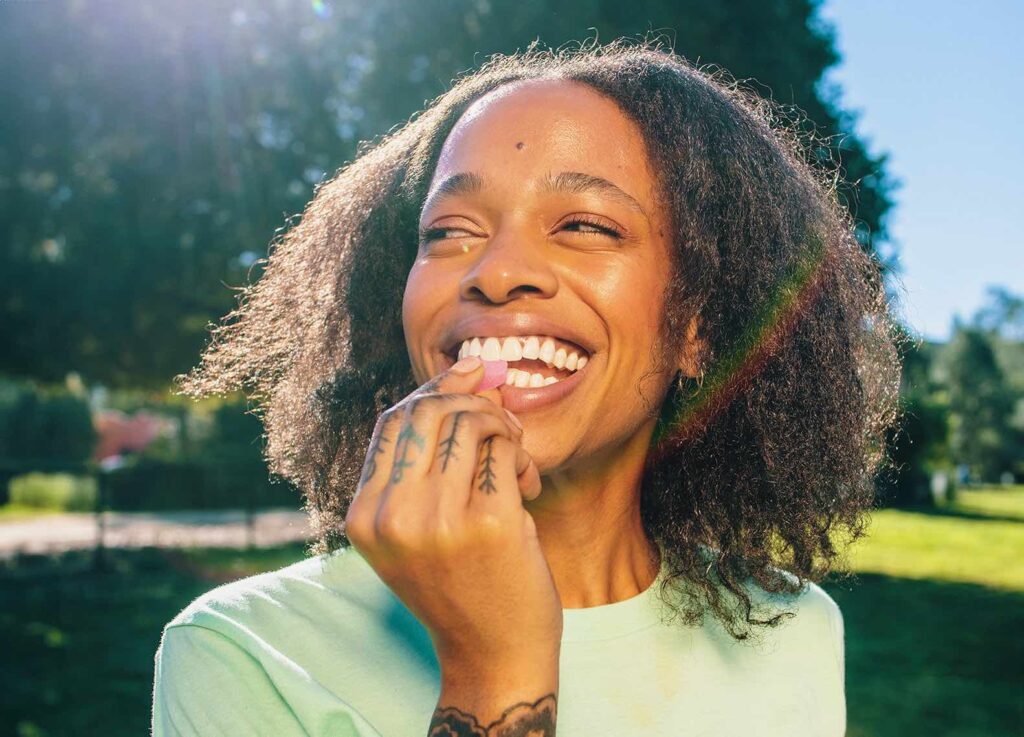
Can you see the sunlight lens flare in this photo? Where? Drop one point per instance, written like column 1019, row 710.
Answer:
column 734, row 372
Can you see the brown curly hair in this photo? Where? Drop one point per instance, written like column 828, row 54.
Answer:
column 760, row 464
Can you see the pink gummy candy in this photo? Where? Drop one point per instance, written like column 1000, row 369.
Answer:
column 494, row 374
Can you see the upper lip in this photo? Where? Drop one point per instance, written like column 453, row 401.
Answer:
column 502, row 326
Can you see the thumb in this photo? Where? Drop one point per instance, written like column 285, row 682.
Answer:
column 473, row 375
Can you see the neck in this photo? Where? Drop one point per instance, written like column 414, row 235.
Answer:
column 588, row 522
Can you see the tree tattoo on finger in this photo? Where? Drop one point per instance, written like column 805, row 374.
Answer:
column 449, row 444
column 487, row 475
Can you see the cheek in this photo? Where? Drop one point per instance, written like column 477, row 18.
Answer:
column 417, row 300
column 632, row 294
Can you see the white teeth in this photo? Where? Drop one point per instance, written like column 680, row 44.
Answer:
column 515, row 348
column 511, row 350
column 492, row 349
column 524, row 379
column 547, row 351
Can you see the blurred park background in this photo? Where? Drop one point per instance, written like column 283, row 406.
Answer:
column 150, row 152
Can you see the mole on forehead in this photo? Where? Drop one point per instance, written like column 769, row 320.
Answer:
column 520, row 144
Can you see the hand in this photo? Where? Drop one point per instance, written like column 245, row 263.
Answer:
column 439, row 516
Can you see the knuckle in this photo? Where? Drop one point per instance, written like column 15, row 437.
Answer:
column 392, row 528
column 358, row 526
column 480, row 421
column 501, row 444
column 445, row 535
column 490, row 526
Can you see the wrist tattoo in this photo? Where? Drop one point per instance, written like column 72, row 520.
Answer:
column 521, row 720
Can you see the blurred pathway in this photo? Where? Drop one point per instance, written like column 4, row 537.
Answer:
column 56, row 533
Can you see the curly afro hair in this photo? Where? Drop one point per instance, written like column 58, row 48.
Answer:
column 755, row 472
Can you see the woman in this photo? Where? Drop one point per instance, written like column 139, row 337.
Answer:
column 677, row 370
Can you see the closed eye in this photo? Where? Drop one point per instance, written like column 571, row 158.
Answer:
column 598, row 228
column 428, row 235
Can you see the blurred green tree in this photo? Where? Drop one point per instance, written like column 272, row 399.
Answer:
column 981, row 405
column 150, row 151
column 45, row 426
column 919, row 444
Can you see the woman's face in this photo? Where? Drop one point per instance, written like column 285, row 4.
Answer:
column 506, row 256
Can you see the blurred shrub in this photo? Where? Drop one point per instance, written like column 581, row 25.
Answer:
column 54, row 491
column 234, row 437
column 154, row 484
column 44, row 425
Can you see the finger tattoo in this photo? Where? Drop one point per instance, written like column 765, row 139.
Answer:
column 407, row 436
column 487, row 475
column 370, row 467
column 449, row 444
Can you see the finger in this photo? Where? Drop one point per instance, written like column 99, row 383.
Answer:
column 379, row 454
column 530, row 485
column 457, row 456
column 468, row 376
column 495, row 485
column 362, row 510
column 420, row 433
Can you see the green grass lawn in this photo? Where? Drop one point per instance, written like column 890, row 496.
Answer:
column 931, row 641
column 931, row 647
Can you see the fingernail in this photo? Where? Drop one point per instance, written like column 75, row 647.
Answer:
column 494, row 374
column 466, row 365
column 515, row 420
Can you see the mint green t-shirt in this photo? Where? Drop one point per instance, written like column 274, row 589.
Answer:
column 323, row 647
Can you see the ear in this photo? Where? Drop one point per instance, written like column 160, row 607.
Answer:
column 691, row 357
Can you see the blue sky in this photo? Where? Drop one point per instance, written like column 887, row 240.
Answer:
column 940, row 86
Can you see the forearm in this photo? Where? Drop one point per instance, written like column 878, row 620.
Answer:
column 510, row 701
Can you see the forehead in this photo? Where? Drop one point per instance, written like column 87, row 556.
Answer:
column 525, row 130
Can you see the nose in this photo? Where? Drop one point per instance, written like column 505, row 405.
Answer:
column 510, row 266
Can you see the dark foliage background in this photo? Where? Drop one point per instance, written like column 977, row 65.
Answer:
column 149, row 151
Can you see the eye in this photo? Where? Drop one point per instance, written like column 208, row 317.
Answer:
column 593, row 227
column 586, row 226
column 428, row 235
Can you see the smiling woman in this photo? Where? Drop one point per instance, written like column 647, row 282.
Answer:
column 585, row 347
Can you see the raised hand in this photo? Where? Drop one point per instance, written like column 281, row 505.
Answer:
column 439, row 516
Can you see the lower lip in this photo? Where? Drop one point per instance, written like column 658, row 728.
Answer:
column 523, row 399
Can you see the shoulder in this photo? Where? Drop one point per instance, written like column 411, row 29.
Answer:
column 246, row 657
column 325, row 586
column 814, row 623
column 810, row 619
column 809, row 604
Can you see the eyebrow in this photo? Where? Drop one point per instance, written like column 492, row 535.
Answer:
column 574, row 182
